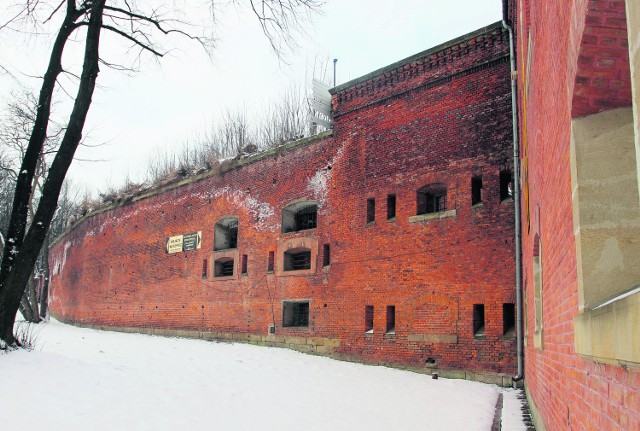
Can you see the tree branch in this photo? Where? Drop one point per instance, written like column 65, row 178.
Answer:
column 133, row 39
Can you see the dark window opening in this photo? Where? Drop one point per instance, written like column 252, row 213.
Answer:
column 391, row 207
column 432, row 199
column 300, row 216
column 270, row 262
column 306, row 218
column 224, row 267
column 506, row 186
column 476, row 190
column 204, row 268
column 508, row 319
column 326, row 255
column 244, row 263
column 297, row 259
column 371, row 210
column 295, row 314
column 478, row 320
column 391, row 319
column 368, row 319
column 226, row 234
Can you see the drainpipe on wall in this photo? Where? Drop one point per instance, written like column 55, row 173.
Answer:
column 516, row 199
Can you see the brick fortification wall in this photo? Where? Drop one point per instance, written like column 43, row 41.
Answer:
column 572, row 58
column 440, row 117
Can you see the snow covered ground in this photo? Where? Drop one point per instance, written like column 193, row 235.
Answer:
column 79, row 379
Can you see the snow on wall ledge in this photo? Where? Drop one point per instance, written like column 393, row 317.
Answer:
column 381, row 291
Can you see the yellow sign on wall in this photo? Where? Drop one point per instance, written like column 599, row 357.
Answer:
column 186, row 242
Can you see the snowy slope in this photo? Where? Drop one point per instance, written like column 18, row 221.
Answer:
column 81, row 379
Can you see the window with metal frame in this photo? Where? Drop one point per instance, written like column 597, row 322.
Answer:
column 297, row 259
column 226, row 234
column 431, row 198
column 300, row 216
column 295, row 314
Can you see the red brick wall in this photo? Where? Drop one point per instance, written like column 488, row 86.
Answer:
column 443, row 118
column 569, row 391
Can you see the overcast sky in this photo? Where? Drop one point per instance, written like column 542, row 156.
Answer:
column 171, row 101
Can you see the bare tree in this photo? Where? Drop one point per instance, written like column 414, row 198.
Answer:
column 87, row 20
column 14, row 140
column 285, row 121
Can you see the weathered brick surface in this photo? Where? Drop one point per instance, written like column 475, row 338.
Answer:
column 112, row 269
column 569, row 391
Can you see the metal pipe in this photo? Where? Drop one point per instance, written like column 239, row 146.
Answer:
column 335, row 60
column 516, row 200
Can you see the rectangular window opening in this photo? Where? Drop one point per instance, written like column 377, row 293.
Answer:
column 391, row 207
column 478, row 320
column 244, row 264
column 508, row 320
column 326, row 255
column 431, row 198
column 371, row 210
column 204, row 268
column 306, row 218
column 299, row 216
column 224, row 267
column 506, row 190
column 368, row 319
column 295, row 314
column 476, row 190
column 226, row 234
column 297, row 259
column 270, row 262
column 391, row 319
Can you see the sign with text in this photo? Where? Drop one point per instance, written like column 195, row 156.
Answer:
column 186, row 242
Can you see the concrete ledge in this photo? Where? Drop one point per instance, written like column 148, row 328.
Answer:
column 433, row 216
column 610, row 334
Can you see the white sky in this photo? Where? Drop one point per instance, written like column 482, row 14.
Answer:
column 170, row 102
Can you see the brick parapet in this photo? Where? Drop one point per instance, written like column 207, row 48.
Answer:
column 431, row 68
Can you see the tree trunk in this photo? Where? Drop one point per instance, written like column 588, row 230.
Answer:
column 33, row 299
column 25, row 307
column 18, row 265
column 44, row 295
